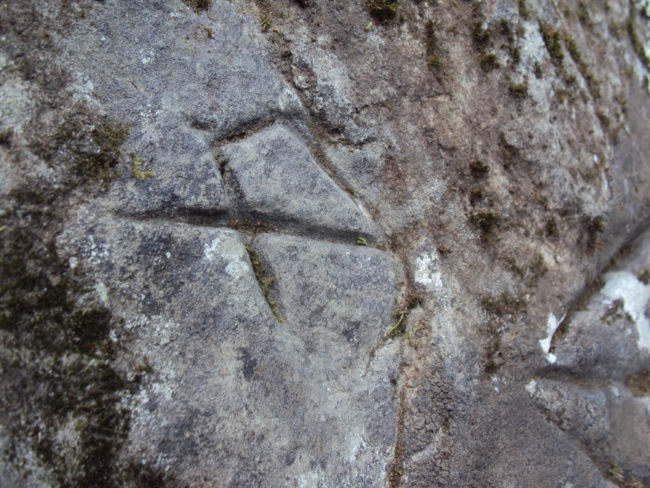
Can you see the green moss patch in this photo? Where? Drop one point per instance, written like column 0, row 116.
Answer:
column 639, row 383
column 524, row 13
column 518, row 91
column 383, row 9
column 479, row 169
column 57, row 347
column 488, row 61
column 503, row 305
column 264, row 279
column 553, row 42
column 83, row 147
column 198, row 5
column 486, row 222
column 637, row 43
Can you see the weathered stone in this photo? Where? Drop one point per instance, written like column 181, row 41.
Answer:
column 276, row 179
column 609, row 421
column 154, row 332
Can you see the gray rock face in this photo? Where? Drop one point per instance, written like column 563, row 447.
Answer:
column 275, row 177
column 306, row 391
column 603, row 354
column 324, row 244
column 331, row 292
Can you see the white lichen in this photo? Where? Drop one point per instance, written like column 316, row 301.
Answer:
column 425, row 271
column 623, row 285
column 551, row 326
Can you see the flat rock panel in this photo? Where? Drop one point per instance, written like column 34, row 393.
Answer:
column 276, row 177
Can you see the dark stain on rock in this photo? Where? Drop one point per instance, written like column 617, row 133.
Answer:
column 249, row 363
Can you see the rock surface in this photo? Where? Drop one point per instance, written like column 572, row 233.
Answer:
column 277, row 179
column 308, row 243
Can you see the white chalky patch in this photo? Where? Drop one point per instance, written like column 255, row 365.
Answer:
column 211, row 249
column 358, row 444
column 102, row 291
column 231, row 252
column 551, row 326
column 531, row 387
column 308, row 480
column 623, row 285
column 424, row 275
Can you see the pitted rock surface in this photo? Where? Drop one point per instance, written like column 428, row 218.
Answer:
column 315, row 244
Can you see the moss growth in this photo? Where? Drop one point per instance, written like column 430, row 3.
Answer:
column 504, row 27
column 518, row 91
column 492, row 351
column 594, row 227
column 265, row 14
column 198, row 5
column 524, row 13
column 431, row 36
column 481, row 34
column 553, row 42
column 252, row 226
column 637, row 43
column 86, row 149
column 486, row 222
column 399, row 327
column 265, row 21
column 504, row 305
column 583, row 66
column 604, row 120
column 645, row 277
column 562, row 95
column 433, row 50
column 475, row 196
column 551, row 228
column 537, row 70
column 383, row 9
column 479, row 169
column 488, row 61
column 614, row 312
column 639, row 383
column 137, row 172
column 64, row 366
column 516, row 55
column 264, row 280
column 5, row 137
column 396, row 470
column 597, row 224
column 55, row 335
column 583, row 14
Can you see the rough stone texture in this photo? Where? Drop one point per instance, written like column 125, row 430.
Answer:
column 272, row 161
column 303, row 393
column 184, row 303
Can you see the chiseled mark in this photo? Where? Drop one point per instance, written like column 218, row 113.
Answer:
column 230, row 251
column 423, row 273
column 551, row 326
column 623, row 285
